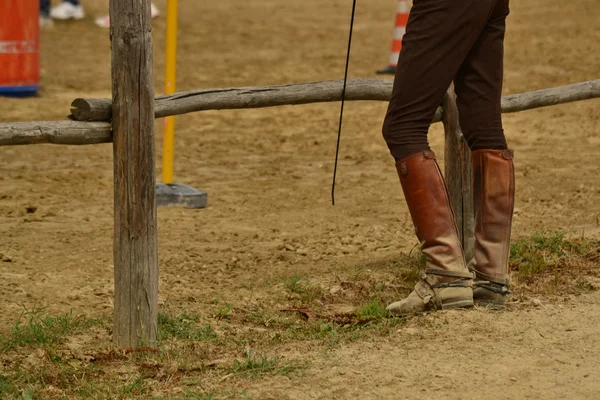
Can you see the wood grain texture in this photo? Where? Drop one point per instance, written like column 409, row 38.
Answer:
column 248, row 97
column 66, row 132
column 55, row 132
column 458, row 174
column 135, row 225
column 551, row 96
column 318, row 92
column 91, row 109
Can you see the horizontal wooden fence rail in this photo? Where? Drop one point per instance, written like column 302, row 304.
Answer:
column 77, row 132
column 55, row 132
column 551, row 96
column 315, row 92
column 244, row 97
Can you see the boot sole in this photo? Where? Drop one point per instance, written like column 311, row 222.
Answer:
column 457, row 303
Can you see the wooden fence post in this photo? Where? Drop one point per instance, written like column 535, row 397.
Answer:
column 458, row 172
column 135, row 230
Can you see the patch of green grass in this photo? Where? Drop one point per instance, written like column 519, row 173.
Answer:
column 294, row 284
column 257, row 317
column 184, row 326
column 374, row 309
column 90, row 390
column 136, row 388
column 34, row 327
column 301, row 290
column 254, row 365
column 263, row 318
column 7, row 388
column 223, row 311
column 538, row 244
column 324, row 330
column 191, row 395
column 584, row 286
column 545, row 252
column 358, row 274
column 371, row 318
column 19, row 384
column 257, row 365
column 29, row 394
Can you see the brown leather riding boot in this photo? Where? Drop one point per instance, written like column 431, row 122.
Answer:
column 494, row 198
column 446, row 282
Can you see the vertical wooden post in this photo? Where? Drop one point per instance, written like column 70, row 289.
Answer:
column 135, row 231
column 458, row 174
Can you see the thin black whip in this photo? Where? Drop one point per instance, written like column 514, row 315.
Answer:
column 337, row 148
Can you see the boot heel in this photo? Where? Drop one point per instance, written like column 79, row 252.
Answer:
column 456, row 297
column 490, row 295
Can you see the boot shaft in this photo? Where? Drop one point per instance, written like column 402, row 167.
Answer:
column 429, row 205
column 493, row 195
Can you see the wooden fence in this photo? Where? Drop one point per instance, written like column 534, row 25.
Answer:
column 126, row 120
column 90, row 118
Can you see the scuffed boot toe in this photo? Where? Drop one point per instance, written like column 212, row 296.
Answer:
column 411, row 305
column 430, row 295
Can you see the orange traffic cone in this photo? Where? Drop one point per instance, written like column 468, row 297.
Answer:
column 400, row 28
column 19, row 47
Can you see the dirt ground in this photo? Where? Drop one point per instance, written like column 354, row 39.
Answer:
column 268, row 177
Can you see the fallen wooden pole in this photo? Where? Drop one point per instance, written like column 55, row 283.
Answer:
column 316, row 92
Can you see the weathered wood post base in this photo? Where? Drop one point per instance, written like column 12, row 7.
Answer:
column 458, row 174
column 135, row 232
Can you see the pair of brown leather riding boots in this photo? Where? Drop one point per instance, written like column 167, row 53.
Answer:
column 448, row 281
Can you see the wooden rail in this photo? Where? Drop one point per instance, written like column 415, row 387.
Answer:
column 55, row 132
column 315, row 92
column 244, row 97
column 74, row 132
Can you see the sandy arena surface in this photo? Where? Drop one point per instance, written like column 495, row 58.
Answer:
column 268, row 175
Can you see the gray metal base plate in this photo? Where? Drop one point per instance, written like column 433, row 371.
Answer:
column 180, row 195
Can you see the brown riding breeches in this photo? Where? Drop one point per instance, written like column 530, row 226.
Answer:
column 445, row 41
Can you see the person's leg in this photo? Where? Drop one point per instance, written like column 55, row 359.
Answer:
column 45, row 20
column 68, row 9
column 478, row 85
column 439, row 35
column 45, row 8
column 479, row 89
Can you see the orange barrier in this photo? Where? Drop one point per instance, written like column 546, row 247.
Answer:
column 399, row 30
column 19, row 47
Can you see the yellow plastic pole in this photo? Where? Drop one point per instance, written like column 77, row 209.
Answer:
column 170, row 78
